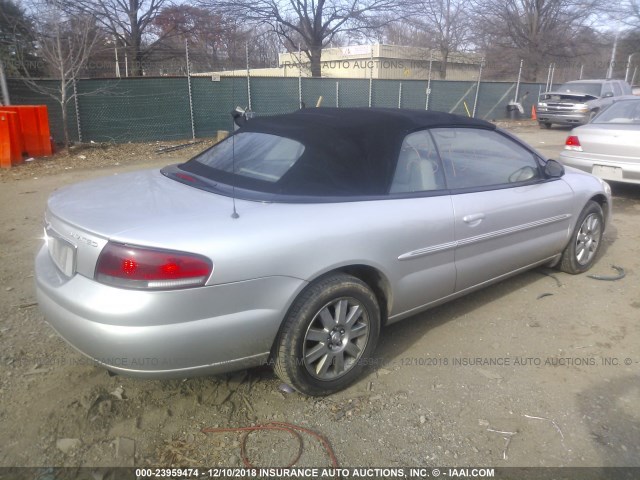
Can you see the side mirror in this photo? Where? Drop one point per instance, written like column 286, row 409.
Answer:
column 553, row 169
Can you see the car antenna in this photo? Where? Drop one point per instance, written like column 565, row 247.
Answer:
column 233, row 181
column 235, row 214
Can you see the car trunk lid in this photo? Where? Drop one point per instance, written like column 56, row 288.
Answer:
column 618, row 141
column 144, row 208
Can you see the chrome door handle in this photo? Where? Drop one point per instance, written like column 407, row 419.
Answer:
column 474, row 218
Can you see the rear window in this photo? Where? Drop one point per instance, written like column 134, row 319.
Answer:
column 592, row 89
column 626, row 111
column 260, row 156
column 294, row 160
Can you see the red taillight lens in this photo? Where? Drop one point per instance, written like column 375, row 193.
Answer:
column 573, row 143
column 138, row 267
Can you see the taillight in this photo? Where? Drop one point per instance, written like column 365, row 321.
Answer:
column 573, row 143
column 148, row 268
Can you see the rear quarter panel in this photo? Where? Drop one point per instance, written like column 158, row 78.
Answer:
column 305, row 241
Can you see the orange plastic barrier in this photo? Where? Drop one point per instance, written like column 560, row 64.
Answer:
column 15, row 136
column 5, row 141
column 34, row 125
column 44, row 131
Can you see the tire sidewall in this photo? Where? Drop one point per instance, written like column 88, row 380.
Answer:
column 304, row 310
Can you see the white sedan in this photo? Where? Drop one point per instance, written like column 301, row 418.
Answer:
column 609, row 146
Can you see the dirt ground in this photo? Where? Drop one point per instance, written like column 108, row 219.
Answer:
column 539, row 370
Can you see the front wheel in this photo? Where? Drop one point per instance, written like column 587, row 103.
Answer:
column 545, row 125
column 329, row 334
column 585, row 241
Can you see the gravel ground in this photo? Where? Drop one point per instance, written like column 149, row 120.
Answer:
column 98, row 157
column 567, row 389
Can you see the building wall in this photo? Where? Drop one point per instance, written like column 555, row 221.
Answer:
column 391, row 62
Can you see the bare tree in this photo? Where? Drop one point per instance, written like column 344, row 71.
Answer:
column 217, row 40
column 64, row 44
column 129, row 21
column 535, row 30
column 312, row 23
column 16, row 33
column 628, row 12
column 446, row 24
column 264, row 46
column 405, row 33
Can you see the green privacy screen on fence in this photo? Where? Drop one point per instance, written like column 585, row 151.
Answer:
column 146, row 109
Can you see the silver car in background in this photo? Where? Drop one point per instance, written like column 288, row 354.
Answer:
column 609, row 146
column 297, row 239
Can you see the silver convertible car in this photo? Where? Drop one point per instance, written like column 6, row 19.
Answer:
column 295, row 240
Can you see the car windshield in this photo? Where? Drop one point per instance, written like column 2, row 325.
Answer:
column 260, row 156
column 621, row 112
column 592, row 89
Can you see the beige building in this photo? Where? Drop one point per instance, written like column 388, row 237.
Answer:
column 377, row 61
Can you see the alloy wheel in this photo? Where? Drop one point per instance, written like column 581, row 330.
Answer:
column 588, row 239
column 336, row 338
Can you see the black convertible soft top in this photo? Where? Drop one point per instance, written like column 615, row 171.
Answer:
column 399, row 121
column 348, row 151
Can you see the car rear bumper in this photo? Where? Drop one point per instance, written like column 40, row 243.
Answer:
column 605, row 168
column 165, row 334
column 563, row 118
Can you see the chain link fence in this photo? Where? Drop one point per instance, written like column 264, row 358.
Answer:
column 167, row 108
column 164, row 108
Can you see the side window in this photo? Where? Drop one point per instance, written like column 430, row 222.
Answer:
column 418, row 168
column 474, row 158
column 607, row 88
column 617, row 90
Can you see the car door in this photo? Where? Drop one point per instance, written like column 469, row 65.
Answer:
column 507, row 214
column 424, row 245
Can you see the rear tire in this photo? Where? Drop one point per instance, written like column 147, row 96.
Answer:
column 545, row 125
column 328, row 336
column 584, row 245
